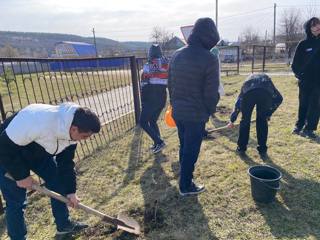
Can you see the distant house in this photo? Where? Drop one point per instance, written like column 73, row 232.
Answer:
column 172, row 45
column 67, row 49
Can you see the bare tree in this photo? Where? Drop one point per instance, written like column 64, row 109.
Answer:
column 249, row 36
column 291, row 29
column 9, row 51
column 162, row 37
column 311, row 10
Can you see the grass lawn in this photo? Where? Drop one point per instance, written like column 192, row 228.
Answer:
column 126, row 177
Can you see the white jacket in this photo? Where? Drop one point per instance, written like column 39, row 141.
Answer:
column 47, row 125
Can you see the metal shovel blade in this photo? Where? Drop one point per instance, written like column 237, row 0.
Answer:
column 133, row 225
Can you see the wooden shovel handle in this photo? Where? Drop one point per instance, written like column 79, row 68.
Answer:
column 85, row 208
column 225, row 127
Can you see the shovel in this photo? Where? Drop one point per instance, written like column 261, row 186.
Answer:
column 122, row 221
column 224, row 127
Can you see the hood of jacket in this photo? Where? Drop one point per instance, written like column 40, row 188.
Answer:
column 204, row 33
column 66, row 113
column 307, row 28
column 154, row 52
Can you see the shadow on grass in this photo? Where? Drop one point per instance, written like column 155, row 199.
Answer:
column 297, row 214
column 167, row 215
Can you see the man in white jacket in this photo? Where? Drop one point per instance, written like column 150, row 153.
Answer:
column 42, row 138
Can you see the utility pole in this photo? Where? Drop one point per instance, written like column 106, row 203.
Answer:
column 94, row 41
column 274, row 23
column 217, row 13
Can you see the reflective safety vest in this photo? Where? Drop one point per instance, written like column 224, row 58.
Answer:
column 155, row 72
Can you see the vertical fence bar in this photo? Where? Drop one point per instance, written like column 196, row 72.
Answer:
column 2, row 111
column 252, row 65
column 1, row 206
column 238, row 60
column 3, row 116
column 135, row 88
column 264, row 58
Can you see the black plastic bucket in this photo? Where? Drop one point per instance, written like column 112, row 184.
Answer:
column 265, row 182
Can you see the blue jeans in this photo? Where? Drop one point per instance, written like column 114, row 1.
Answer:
column 190, row 136
column 15, row 198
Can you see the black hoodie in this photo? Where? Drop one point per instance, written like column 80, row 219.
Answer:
column 306, row 61
column 193, row 79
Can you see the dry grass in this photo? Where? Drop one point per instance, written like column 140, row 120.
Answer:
column 125, row 176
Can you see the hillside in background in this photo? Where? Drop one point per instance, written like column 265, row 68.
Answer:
column 42, row 44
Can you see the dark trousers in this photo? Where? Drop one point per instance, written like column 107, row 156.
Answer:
column 16, row 202
column 153, row 100
column 309, row 107
column 262, row 99
column 190, row 136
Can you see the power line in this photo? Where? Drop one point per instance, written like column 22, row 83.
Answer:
column 246, row 13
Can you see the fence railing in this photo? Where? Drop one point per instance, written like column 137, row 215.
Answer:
column 108, row 86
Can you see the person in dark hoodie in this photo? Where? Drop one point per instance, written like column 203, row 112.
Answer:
column 154, row 81
column 42, row 138
column 306, row 67
column 193, row 84
column 258, row 90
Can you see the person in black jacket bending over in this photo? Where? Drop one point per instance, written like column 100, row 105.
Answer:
column 42, row 138
column 306, row 67
column 193, row 84
column 258, row 90
column 154, row 81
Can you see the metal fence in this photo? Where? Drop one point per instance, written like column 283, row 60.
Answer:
column 110, row 89
column 269, row 59
column 108, row 86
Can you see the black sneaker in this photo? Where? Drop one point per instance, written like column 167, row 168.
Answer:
column 192, row 190
column 152, row 147
column 296, row 130
column 241, row 150
column 262, row 150
column 309, row 134
column 72, row 228
column 158, row 147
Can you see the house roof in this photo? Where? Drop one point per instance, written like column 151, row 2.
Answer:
column 81, row 48
column 175, row 43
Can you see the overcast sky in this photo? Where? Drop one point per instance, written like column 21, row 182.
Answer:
column 133, row 20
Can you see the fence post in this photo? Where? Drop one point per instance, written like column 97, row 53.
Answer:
column 264, row 58
column 1, row 206
column 3, row 117
column 135, row 88
column 2, row 111
column 252, row 64
column 238, row 60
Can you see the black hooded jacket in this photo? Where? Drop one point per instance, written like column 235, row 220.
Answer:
column 306, row 61
column 193, row 79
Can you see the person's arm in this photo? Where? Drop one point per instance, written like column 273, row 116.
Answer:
column 236, row 110
column 276, row 101
column 11, row 159
column 20, row 132
column 66, row 171
column 211, row 85
column 297, row 62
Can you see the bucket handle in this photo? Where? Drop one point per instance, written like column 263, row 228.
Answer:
column 270, row 187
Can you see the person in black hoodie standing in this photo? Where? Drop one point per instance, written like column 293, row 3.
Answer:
column 193, row 84
column 306, row 67
column 154, row 81
column 258, row 90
